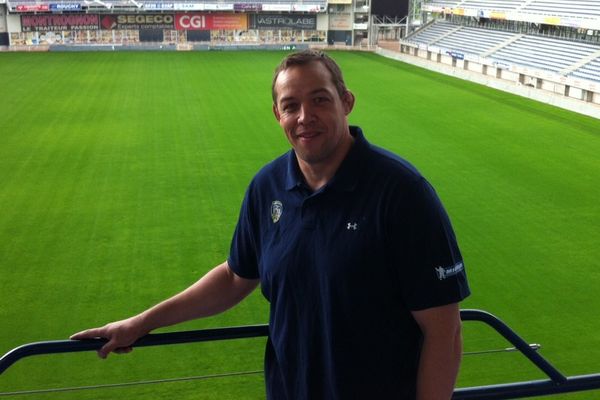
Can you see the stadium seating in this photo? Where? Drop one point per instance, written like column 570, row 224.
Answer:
column 583, row 8
column 432, row 33
column 577, row 8
column 590, row 71
column 493, row 4
column 544, row 53
column 464, row 39
column 470, row 40
column 538, row 52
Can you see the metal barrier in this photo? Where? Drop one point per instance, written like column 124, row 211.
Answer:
column 556, row 384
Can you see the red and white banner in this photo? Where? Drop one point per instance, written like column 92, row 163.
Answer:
column 32, row 7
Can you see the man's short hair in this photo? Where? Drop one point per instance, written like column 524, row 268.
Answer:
column 305, row 57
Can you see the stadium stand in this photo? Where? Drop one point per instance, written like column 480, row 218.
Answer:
column 466, row 39
column 584, row 8
column 539, row 52
column 590, row 71
column 433, row 33
column 546, row 53
column 575, row 8
column 542, row 56
column 492, row 4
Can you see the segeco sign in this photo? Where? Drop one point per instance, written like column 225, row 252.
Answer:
column 138, row 21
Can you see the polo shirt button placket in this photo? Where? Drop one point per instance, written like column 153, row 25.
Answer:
column 308, row 215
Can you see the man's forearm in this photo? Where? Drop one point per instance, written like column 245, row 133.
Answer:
column 214, row 293
column 438, row 366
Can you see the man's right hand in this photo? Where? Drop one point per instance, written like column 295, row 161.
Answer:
column 217, row 291
column 120, row 334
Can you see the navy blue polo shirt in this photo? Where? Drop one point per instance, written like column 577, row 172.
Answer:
column 343, row 268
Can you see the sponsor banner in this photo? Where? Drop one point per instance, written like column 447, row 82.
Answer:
column 339, row 2
column 59, row 22
column 228, row 21
column 466, row 12
column 283, row 21
column 361, row 26
column 308, row 7
column 188, row 6
column 159, row 6
column 245, row 7
column 501, row 65
column 341, row 21
column 277, row 7
column 456, row 54
column 137, row 21
column 33, row 7
column 203, row 22
column 432, row 8
column 552, row 20
column 497, row 15
column 65, row 7
column 218, row 7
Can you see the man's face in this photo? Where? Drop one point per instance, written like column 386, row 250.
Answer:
column 311, row 112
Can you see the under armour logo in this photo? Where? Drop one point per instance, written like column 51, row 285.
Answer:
column 441, row 272
column 352, row 226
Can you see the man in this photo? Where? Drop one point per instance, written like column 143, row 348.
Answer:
column 353, row 250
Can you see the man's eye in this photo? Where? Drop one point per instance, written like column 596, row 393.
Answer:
column 289, row 107
column 319, row 100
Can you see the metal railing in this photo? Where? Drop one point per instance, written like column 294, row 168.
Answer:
column 555, row 384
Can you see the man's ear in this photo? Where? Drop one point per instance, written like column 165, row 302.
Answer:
column 276, row 112
column 348, row 102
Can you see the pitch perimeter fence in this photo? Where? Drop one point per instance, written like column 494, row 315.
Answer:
column 556, row 383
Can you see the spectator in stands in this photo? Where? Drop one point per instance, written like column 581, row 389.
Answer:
column 351, row 247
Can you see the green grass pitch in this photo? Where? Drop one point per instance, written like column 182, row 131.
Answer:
column 121, row 176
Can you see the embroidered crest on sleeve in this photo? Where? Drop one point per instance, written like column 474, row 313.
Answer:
column 443, row 273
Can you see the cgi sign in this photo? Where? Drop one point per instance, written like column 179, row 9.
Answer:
column 203, row 22
column 191, row 22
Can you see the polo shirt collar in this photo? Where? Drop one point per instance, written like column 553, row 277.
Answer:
column 347, row 174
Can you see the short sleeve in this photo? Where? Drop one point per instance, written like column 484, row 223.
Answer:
column 243, row 253
column 430, row 264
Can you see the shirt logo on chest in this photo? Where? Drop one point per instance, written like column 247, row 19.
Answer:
column 276, row 211
column 352, row 226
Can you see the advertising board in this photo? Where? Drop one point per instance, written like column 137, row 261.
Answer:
column 159, row 6
column 201, row 22
column 59, row 22
column 32, row 7
column 60, row 7
column 247, row 7
column 283, row 21
column 137, row 21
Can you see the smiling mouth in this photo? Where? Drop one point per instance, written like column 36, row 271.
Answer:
column 307, row 135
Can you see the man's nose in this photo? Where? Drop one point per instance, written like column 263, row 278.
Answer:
column 306, row 114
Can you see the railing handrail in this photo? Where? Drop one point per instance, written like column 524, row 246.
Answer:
column 557, row 383
column 153, row 339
